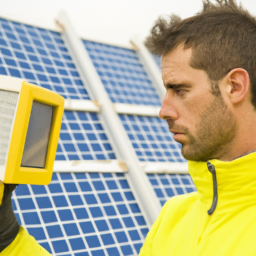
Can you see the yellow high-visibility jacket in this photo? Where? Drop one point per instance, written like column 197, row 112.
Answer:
column 184, row 226
column 24, row 245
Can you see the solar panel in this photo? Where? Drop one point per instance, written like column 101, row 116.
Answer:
column 151, row 139
column 122, row 74
column 169, row 185
column 83, row 137
column 89, row 213
column 40, row 57
column 82, row 214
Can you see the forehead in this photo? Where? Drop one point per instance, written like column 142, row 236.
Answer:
column 175, row 64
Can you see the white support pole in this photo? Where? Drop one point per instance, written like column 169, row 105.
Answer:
column 150, row 65
column 136, row 177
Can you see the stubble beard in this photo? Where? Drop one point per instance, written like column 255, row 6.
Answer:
column 216, row 128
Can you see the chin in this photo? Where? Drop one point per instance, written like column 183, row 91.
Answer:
column 191, row 155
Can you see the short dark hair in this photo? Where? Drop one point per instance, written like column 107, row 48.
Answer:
column 222, row 37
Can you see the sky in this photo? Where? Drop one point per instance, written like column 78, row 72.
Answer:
column 109, row 21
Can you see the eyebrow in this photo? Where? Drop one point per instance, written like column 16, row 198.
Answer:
column 176, row 86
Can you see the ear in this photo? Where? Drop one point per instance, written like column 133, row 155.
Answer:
column 239, row 83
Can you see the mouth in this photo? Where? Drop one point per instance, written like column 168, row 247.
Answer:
column 177, row 135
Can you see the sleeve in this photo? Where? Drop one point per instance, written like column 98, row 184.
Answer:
column 146, row 248
column 24, row 245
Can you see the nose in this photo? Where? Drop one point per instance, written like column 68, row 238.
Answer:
column 168, row 109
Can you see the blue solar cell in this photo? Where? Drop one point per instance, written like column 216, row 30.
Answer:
column 22, row 190
column 135, row 208
column 26, row 204
column 65, row 215
column 45, row 48
column 31, row 218
column 140, row 220
column 66, row 176
column 80, row 140
column 43, row 202
column 107, row 239
column 134, row 235
column 129, row 196
column 75, row 200
column 96, row 212
column 77, row 243
column 85, row 186
column 110, row 210
column 60, row 201
column 124, row 184
column 60, row 246
column 115, row 223
column 98, row 185
column 93, row 241
column 68, row 227
column 37, row 233
column 122, row 74
column 111, row 184
column 46, row 246
column 55, row 188
column 81, row 213
column 104, row 198
column 117, row 196
column 98, row 253
column 113, row 252
column 71, row 229
column 49, row 216
column 154, row 143
column 54, row 231
column 90, row 199
column 128, row 222
column 126, row 249
column 70, row 187
column 122, row 209
column 168, row 185
column 101, row 225
column 121, row 237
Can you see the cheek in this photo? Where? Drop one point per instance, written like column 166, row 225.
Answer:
column 190, row 112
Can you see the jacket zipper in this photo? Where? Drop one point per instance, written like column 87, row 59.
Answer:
column 211, row 169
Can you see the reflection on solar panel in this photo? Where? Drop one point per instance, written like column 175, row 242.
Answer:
column 151, row 139
column 82, row 137
column 169, row 185
column 40, row 57
column 122, row 74
column 81, row 213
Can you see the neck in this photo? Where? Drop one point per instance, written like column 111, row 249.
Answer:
column 243, row 142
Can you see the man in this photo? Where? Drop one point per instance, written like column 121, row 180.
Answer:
column 14, row 240
column 209, row 71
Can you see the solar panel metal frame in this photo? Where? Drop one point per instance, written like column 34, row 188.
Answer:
column 136, row 177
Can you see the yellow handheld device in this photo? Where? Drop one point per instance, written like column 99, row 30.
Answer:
column 30, row 122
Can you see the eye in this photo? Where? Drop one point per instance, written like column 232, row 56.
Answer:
column 180, row 92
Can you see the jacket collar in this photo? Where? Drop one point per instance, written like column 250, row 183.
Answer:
column 236, row 182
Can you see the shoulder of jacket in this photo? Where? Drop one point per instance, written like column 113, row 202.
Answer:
column 178, row 202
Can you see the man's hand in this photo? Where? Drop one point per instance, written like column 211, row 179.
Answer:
column 9, row 226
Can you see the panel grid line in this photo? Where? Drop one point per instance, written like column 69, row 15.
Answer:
column 169, row 185
column 151, row 139
column 71, row 216
column 27, row 55
column 122, row 74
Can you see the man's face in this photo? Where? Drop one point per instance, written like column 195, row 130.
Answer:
column 201, row 121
